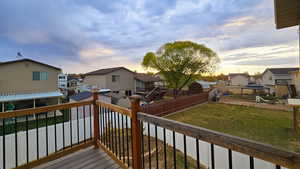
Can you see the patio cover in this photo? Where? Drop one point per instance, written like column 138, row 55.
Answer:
column 287, row 13
column 18, row 97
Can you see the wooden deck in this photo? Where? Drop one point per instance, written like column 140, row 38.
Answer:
column 89, row 158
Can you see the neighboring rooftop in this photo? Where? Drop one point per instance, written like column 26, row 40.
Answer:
column 16, row 97
column 106, row 71
column 81, row 96
column 28, row 60
column 282, row 71
column 147, row 77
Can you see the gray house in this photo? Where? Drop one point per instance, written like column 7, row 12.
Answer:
column 119, row 80
column 277, row 76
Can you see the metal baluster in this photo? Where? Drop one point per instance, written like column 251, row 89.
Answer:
column 84, row 128
column 165, row 148
column 37, row 135
column 212, row 151
column 100, row 118
column 156, row 147
column 16, row 141
column 127, row 142
column 251, row 162
column 90, row 107
column 198, row 154
column 119, row 133
column 47, row 149
column 3, row 135
column 110, row 132
column 77, row 125
column 149, row 145
column 185, row 156
column 63, row 128
column 114, row 133
column 142, row 143
column 174, row 149
column 105, row 123
column 71, row 132
column 55, row 132
column 27, row 143
column 123, row 142
column 230, row 158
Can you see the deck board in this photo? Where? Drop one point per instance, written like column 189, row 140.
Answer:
column 89, row 158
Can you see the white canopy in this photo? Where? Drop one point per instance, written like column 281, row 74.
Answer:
column 18, row 97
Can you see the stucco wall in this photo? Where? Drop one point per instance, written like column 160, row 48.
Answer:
column 16, row 78
column 126, row 81
column 98, row 81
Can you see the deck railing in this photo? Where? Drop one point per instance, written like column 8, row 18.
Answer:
column 133, row 139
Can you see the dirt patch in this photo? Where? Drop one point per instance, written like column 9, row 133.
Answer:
column 241, row 102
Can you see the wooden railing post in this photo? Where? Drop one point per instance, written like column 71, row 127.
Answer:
column 96, row 117
column 136, row 132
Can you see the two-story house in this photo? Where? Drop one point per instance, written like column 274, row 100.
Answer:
column 119, row 80
column 26, row 83
column 238, row 79
column 277, row 76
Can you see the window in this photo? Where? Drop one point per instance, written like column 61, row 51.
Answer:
column 115, row 78
column 39, row 75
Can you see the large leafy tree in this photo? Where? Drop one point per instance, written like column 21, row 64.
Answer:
column 181, row 62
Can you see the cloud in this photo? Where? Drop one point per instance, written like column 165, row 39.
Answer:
column 76, row 32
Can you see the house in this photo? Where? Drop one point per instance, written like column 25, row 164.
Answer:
column 145, row 82
column 27, row 83
column 238, row 79
column 119, row 80
column 63, row 81
column 85, row 111
column 277, row 76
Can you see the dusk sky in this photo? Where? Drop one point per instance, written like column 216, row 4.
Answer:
column 85, row 35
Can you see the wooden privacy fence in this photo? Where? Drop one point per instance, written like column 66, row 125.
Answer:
column 169, row 106
column 133, row 139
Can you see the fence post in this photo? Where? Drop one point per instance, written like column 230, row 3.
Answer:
column 136, row 132
column 96, row 117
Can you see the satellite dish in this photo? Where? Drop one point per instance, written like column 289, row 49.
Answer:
column 19, row 55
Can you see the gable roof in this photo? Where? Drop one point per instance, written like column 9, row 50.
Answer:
column 282, row 71
column 28, row 60
column 146, row 77
column 107, row 70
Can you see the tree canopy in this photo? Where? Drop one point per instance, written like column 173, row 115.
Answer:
column 181, row 62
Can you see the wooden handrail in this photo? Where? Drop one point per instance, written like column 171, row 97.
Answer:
column 31, row 111
column 263, row 151
column 115, row 108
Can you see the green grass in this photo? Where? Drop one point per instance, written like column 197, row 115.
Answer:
column 268, row 126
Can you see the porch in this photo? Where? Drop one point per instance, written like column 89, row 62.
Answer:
column 109, row 136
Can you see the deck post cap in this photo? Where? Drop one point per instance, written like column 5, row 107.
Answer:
column 135, row 98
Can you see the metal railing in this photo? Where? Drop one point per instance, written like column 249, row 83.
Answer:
column 42, row 134
column 132, row 138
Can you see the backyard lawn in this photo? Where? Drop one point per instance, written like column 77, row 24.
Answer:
column 273, row 127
